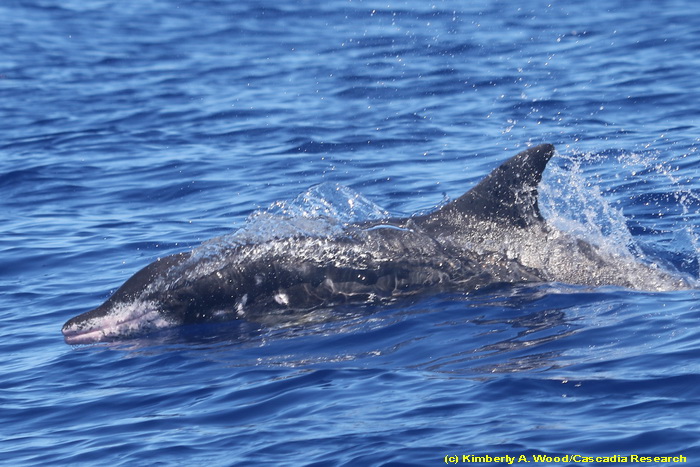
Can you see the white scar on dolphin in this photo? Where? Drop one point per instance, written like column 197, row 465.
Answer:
column 493, row 234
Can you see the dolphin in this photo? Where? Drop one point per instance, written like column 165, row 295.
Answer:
column 493, row 234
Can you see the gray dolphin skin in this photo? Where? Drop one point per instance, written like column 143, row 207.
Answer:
column 494, row 234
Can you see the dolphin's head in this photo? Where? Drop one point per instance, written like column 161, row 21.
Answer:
column 129, row 311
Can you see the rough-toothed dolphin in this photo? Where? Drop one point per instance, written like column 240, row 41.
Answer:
column 492, row 234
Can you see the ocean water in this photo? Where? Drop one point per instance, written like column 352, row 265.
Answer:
column 132, row 130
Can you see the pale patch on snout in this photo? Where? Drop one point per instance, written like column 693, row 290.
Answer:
column 124, row 319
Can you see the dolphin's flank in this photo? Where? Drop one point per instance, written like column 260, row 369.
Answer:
column 492, row 234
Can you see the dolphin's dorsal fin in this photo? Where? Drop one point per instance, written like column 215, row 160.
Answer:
column 508, row 194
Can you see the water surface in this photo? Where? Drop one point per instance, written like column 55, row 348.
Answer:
column 135, row 130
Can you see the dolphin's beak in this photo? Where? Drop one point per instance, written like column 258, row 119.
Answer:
column 111, row 321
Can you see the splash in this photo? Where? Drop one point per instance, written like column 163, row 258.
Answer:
column 322, row 211
column 572, row 203
column 674, row 205
column 629, row 204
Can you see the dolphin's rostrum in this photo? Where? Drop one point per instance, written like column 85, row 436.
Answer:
column 492, row 234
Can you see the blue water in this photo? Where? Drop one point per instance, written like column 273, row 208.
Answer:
column 132, row 130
